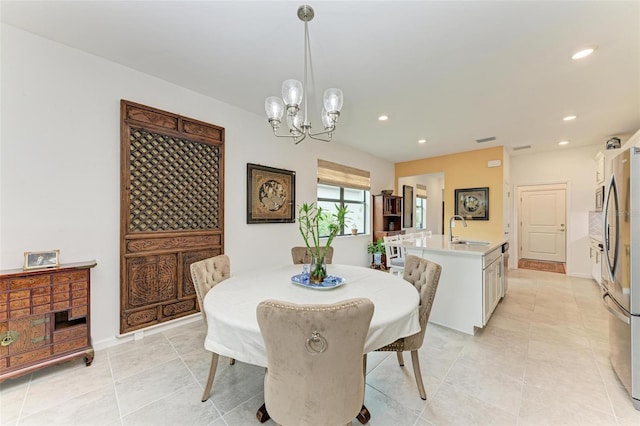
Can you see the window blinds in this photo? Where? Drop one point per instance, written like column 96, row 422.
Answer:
column 421, row 191
column 338, row 175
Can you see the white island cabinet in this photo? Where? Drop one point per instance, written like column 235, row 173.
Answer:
column 471, row 284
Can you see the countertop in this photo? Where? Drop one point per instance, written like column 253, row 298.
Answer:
column 441, row 243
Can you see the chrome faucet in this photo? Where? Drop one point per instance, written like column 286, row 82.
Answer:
column 455, row 216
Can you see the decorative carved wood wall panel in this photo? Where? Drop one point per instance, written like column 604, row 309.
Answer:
column 172, row 211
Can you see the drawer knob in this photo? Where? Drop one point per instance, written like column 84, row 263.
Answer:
column 9, row 337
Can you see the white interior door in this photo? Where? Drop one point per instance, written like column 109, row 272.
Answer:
column 543, row 223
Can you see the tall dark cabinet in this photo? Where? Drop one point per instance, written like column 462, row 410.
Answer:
column 387, row 216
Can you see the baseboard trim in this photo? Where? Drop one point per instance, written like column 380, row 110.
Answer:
column 140, row 334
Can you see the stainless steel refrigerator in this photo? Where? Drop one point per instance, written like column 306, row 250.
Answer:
column 621, row 268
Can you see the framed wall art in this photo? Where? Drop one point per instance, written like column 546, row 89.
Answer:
column 41, row 259
column 472, row 203
column 270, row 194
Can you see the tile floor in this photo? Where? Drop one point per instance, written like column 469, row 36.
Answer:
column 541, row 361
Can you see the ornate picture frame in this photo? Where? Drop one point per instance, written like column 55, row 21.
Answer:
column 271, row 194
column 41, row 259
column 472, row 203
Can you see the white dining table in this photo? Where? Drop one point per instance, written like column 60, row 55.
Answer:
column 230, row 306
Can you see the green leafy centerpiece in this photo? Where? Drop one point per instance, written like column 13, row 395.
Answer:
column 377, row 249
column 314, row 221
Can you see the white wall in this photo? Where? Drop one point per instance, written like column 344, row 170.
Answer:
column 60, row 165
column 576, row 167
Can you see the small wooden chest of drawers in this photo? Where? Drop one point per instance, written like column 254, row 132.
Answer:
column 44, row 317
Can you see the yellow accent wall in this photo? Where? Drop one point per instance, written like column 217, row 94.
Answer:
column 465, row 170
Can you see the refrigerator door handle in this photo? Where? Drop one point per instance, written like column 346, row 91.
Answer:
column 615, row 312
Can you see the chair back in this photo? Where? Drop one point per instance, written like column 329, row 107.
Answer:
column 207, row 273
column 424, row 275
column 301, row 255
column 408, row 236
column 314, row 360
column 392, row 250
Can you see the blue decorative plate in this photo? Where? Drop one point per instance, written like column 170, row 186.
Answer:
column 331, row 282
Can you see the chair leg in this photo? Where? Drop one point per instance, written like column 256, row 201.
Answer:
column 364, row 415
column 262, row 414
column 416, row 372
column 400, row 359
column 364, row 365
column 212, row 374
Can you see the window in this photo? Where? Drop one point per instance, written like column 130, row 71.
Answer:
column 421, row 212
column 344, row 186
column 354, row 199
column 421, row 206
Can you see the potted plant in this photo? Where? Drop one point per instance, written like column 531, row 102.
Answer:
column 314, row 221
column 354, row 229
column 377, row 249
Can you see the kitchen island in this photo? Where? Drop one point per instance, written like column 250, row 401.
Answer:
column 471, row 282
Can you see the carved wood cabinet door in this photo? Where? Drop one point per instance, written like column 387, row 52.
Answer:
column 171, row 211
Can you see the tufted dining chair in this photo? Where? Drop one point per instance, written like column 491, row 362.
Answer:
column 300, row 255
column 424, row 276
column 314, row 360
column 205, row 274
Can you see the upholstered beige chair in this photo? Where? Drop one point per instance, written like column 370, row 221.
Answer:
column 301, row 255
column 205, row 274
column 314, row 360
column 424, row 275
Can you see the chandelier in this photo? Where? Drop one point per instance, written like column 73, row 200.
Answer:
column 292, row 93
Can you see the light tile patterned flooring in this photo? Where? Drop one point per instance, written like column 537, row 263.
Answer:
column 541, row 361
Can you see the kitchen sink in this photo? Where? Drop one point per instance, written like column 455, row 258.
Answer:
column 471, row 242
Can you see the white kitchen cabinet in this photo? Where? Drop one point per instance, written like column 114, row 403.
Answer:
column 491, row 283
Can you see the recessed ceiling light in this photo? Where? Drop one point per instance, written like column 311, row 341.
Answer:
column 569, row 117
column 383, row 117
column 583, row 53
column 562, row 143
column 422, row 141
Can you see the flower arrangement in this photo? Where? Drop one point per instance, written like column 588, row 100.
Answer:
column 314, row 221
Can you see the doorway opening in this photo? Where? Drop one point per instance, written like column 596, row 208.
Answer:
column 542, row 228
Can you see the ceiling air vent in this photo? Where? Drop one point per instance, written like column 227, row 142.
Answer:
column 483, row 140
column 518, row 148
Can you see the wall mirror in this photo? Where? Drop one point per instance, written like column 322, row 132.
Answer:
column 407, row 206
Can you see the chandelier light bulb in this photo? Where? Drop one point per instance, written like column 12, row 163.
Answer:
column 294, row 122
column 292, row 92
column 333, row 100
column 327, row 122
column 274, row 108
